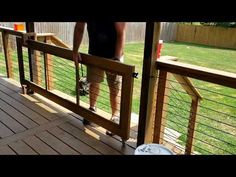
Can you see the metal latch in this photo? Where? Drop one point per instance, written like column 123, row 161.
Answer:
column 135, row 75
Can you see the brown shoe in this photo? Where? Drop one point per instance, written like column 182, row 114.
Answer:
column 86, row 122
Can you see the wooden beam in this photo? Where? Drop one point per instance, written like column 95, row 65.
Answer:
column 58, row 42
column 188, row 86
column 149, row 79
column 103, row 63
column 161, row 107
column 191, row 127
column 11, row 31
column 49, row 67
column 30, row 29
column 36, row 68
column 20, row 62
column 42, row 35
column 126, row 104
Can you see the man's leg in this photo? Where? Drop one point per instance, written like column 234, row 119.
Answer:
column 94, row 77
column 114, row 83
column 114, row 100
column 94, row 90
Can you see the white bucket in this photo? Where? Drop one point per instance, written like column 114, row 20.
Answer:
column 152, row 149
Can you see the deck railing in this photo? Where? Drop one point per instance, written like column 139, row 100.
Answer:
column 50, row 71
column 195, row 106
column 197, row 116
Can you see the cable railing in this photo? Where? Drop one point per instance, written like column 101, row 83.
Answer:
column 198, row 106
column 44, row 65
column 61, row 72
column 122, row 70
column 195, row 108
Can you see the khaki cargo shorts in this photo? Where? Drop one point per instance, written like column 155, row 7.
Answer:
column 95, row 74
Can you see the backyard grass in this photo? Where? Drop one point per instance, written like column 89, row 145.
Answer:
column 215, row 130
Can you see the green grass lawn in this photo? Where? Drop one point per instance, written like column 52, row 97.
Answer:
column 221, row 59
column 217, row 113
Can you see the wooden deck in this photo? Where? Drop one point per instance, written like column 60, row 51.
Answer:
column 31, row 124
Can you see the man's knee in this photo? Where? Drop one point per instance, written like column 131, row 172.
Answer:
column 114, row 84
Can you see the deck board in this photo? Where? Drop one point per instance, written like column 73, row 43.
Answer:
column 11, row 123
column 31, row 124
column 5, row 131
column 5, row 89
column 21, row 148
column 114, row 141
column 26, row 121
column 73, row 142
column 100, row 146
column 35, row 105
column 5, row 150
column 39, row 146
column 56, row 144
column 23, row 109
column 11, row 84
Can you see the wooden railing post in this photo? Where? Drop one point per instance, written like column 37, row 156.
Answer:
column 161, row 107
column 149, row 80
column 31, row 53
column 7, row 52
column 37, row 75
column 191, row 126
column 21, row 64
column 49, row 66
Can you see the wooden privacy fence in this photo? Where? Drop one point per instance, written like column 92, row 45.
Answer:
column 65, row 31
column 135, row 31
column 207, row 35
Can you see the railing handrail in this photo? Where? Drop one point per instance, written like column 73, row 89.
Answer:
column 12, row 31
column 57, row 41
column 65, row 53
column 202, row 73
column 23, row 32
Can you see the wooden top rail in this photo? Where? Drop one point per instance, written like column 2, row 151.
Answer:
column 21, row 33
column 45, row 34
column 12, row 31
column 59, row 42
column 100, row 62
column 202, row 73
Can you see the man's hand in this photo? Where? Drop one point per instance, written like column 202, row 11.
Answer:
column 77, row 58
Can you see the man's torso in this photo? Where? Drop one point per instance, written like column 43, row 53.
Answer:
column 102, row 39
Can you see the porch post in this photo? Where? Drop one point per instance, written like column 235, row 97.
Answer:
column 30, row 28
column 149, row 83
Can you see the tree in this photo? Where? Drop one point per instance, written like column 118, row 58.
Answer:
column 221, row 24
